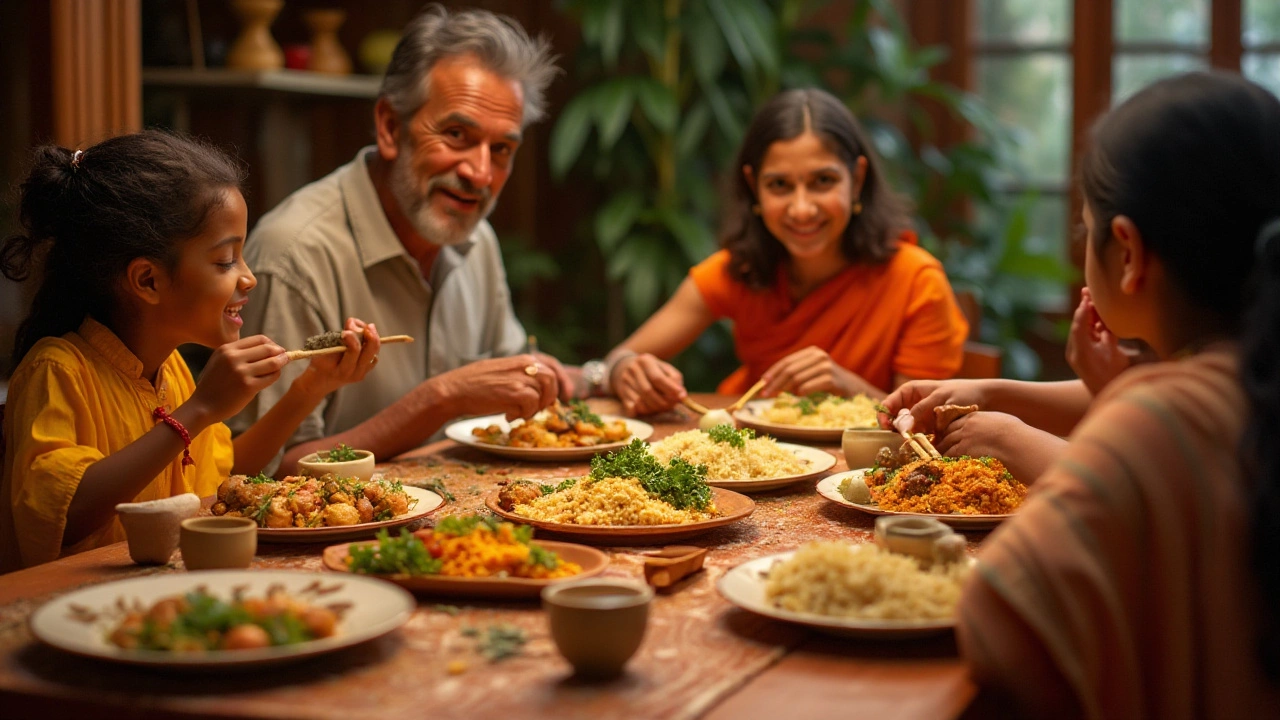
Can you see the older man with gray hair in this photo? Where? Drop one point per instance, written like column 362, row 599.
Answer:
column 399, row 237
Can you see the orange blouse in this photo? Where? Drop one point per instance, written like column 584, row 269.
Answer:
column 875, row 320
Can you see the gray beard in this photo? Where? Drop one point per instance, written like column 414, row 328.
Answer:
column 435, row 227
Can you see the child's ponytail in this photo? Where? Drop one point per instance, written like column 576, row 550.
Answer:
column 87, row 214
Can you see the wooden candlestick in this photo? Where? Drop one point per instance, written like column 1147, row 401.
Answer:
column 327, row 53
column 255, row 49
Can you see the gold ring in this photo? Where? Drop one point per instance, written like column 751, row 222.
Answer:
column 374, row 361
column 531, row 370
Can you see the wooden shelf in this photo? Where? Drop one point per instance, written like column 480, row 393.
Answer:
column 299, row 82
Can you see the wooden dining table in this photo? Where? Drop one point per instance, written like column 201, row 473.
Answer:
column 701, row 658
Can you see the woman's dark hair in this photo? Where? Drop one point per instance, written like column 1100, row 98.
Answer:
column 1194, row 162
column 871, row 236
column 86, row 216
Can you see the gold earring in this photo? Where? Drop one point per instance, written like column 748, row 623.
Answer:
column 857, row 207
column 756, row 208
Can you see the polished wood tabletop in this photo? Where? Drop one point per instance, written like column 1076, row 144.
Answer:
column 701, row 657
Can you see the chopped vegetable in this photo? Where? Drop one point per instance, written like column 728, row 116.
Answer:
column 681, row 484
column 728, row 434
column 340, row 453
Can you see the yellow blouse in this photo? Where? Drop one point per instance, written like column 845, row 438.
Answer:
column 72, row 401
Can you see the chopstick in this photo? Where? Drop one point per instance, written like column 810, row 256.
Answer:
column 300, row 354
column 695, row 406
column 737, row 405
column 928, row 446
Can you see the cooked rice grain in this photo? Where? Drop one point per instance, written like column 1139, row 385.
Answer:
column 858, row 411
column 758, row 458
column 610, row 501
column 863, row 581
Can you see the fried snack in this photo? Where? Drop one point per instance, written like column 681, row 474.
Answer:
column 947, row 414
column 557, row 427
column 304, row 502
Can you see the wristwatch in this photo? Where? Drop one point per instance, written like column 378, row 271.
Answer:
column 595, row 372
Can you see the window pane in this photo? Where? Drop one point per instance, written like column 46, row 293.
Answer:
column 1182, row 21
column 1261, row 21
column 1036, row 21
column 1032, row 94
column 1131, row 73
column 1263, row 69
column 1046, row 234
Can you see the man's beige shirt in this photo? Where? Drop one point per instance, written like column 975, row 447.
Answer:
column 328, row 253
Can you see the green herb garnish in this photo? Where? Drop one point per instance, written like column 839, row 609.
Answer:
column 403, row 555
column 726, row 433
column 564, row 485
column 259, row 479
column 578, row 410
column 882, row 409
column 341, row 452
column 498, row 642
column 437, row 486
column 680, row 484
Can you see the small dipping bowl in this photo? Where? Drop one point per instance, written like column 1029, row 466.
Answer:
column 152, row 527
column 860, row 446
column 597, row 624
column 360, row 469
column 914, row 536
column 215, row 543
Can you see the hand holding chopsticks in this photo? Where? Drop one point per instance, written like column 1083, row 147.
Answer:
column 917, row 442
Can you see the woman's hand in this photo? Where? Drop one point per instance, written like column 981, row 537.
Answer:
column 646, row 385
column 812, row 370
column 1092, row 351
column 235, row 373
column 327, row 373
column 1024, row 450
column 922, row 396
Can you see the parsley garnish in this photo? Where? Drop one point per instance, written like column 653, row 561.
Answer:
column 341, row 452
column 499, row 642
column 680, row 484
column 726, row 433
column 564, row 485
column 259, row 479
column 403, row 555
column 578, row 409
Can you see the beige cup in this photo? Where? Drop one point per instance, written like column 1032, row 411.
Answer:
column 152, row 527
column 597, row 624
column 860, row 446
column 914, row 536
column 360, row 469
column 215, row 543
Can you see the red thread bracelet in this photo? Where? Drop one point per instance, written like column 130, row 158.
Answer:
column 162, row 415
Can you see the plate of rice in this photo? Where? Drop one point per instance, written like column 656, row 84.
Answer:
column 739, row 460
column 820, row 417
column 848, row 590
column 967, row 493
column 629, row 497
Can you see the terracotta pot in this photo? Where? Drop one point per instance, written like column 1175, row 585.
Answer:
column 597, row 624
column 214, row 543
column 327, row 53
column 255, row 49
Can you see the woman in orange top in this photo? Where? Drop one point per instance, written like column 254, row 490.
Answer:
column 824, row 283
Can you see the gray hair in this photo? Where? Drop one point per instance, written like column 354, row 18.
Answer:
column 498, row 41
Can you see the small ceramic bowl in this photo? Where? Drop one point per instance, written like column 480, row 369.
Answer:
column 152, row 528
column 215, row 543
column 860, row 446
column 597, row 624
column 914, row 536
column 360, row 469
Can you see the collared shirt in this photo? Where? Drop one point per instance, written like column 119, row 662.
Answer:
column 328, row 253
column 72, row 401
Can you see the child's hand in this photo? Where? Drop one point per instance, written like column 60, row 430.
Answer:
column 327, row 373
column 235, row 373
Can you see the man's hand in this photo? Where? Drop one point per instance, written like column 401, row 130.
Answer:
column 922, row 396
column 517, row 386
column 646, row 385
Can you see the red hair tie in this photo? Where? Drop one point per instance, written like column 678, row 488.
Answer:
column 163, row 415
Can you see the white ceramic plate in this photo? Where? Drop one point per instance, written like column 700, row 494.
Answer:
column 744, row 586
column 829, row 488
column 374, row 608
column 819, row 461
column 428, row 502
column 460, row 432
column 752, row 415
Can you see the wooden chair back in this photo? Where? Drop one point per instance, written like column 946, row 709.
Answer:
column 981, row 361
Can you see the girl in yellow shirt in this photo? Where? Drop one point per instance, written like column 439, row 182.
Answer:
column 140, row 241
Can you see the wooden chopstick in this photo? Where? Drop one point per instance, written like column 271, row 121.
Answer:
column 300, row 354
column 694, row 405
column 928, row 446
column 737, row 405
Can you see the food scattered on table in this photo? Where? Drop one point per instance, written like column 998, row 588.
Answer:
column 730, row 454
column 627, row 487
column 497, row 642
column 557, row 427
column 468, row 546
column 199, row 622
column 840, row 579
column 306, row 502
column 946, row 485
column 822, row 410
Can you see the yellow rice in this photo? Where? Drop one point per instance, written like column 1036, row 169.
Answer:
column 858, row 411
column 758, row 457
column 610, row 501
column 967, row 486
column 863, row 581
column 483, row 553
